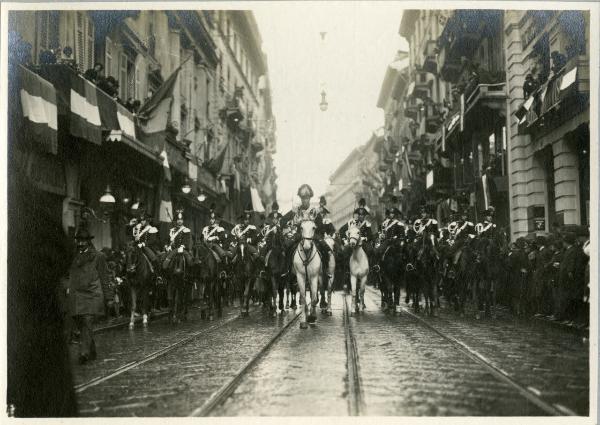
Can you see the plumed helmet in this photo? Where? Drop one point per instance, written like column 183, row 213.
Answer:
column 305, row 191
column 83, row 234
column 394, row 200
column 362, row 207
column 275, row 206
column 322, row 201
column 178, row 214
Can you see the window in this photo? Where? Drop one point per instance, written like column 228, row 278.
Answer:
column 123, row 76
column 84, row 41
column 108, row 61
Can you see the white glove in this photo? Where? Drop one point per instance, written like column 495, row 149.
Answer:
column 180, row 249
column 248, row 240
column 141, row 245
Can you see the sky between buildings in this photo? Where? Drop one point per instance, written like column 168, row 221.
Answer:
column 349, row 64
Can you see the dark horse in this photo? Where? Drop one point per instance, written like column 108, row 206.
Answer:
column 276, row 268
column 140, row 277
column 212, row 280
column 244, row 270
column 427, row 258
column 177, row 270
column 391, row 270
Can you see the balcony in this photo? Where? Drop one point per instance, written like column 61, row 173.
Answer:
column 430, row 53
column 563, row 96
column 423, row 86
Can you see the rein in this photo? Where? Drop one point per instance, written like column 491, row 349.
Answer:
column 306, row 261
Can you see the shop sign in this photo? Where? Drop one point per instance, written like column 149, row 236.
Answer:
column 539, row 224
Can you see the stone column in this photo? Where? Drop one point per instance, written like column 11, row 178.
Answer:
column 566, row 182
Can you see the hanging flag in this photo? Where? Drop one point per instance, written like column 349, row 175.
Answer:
column 257, row 204
column 568, row 79
column 155, row 114
column 486, row 191
column 165, row 164
column 406, row 165
column 85, row 119
column 215, row 164
column 165, row 213
column 38, row 104
column 462, row 112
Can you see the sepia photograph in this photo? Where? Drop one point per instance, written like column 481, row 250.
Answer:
column 288, row 209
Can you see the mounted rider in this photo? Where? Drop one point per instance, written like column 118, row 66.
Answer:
column 426, row 225
column 393, row 227
column 487, row 228
column 245, row 231
column 180, row 241
column 145, row 236
column 269, row 230
column 304, row 212
column 364, row 227
column 214, row 235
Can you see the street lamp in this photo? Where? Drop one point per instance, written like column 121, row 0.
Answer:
column 201, row 196
column 186, row 188
column 323, row 105
column 107, row 198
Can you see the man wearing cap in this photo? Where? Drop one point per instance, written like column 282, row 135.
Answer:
column 487, row 228
column 214, row 235
column 364, row 227
column 180, row 240
column 146, row 238
column 304, row 212
column 247, row 232
column 272, row 227
column 90, row 290
column 427, row 225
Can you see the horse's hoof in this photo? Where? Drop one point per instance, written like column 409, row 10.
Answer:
column 303, row 325
column 131, row 325
column 329, row 312
column 145, row 320
column 210, row 317
column 311, row 318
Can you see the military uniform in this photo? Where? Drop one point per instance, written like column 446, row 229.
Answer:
column 214, row 236
column 247, row 232
column 365, row 231
column 146, row 238
column 180, row 242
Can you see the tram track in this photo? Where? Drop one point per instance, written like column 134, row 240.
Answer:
column 529, row 393
column 226, row 390
column 356, row 404
column 150, row 357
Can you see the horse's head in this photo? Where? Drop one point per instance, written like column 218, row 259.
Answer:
column 307, row 229
column 353, row 236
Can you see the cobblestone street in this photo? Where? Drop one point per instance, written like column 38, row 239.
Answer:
column 408, row 365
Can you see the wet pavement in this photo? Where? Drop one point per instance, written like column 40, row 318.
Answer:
column 405, row 368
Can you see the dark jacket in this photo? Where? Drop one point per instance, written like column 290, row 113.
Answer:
column 572, row 270
column 89, row 285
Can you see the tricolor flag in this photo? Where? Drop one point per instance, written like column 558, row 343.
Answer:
column 38, row 103
column 257, row 204
column 406, row 165
column 155, row 114
column 85, row 119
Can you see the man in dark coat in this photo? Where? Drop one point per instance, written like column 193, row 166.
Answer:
column 518, row 264
column 89, row 290
column 570, row 278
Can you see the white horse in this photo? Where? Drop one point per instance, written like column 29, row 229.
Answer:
column 330, row 273
column 359, row 269
column 307, row 268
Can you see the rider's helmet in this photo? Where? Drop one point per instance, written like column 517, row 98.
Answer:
column 275, row 214
column 178, row 216
column 362, row 210
column 247, row 214
column 322, row 204
column 305, row 191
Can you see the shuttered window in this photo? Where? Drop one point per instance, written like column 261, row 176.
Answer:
column 123, row 76
column 90, row 43
column 108, row 60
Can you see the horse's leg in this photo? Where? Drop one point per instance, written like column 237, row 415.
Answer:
column 314, row 290
column 353, row 306
column 330, row 280
column 133, row 292
column 273, row 296
column 145, row 295
column 302, row 288
column 363, row 286
column 280, row 292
